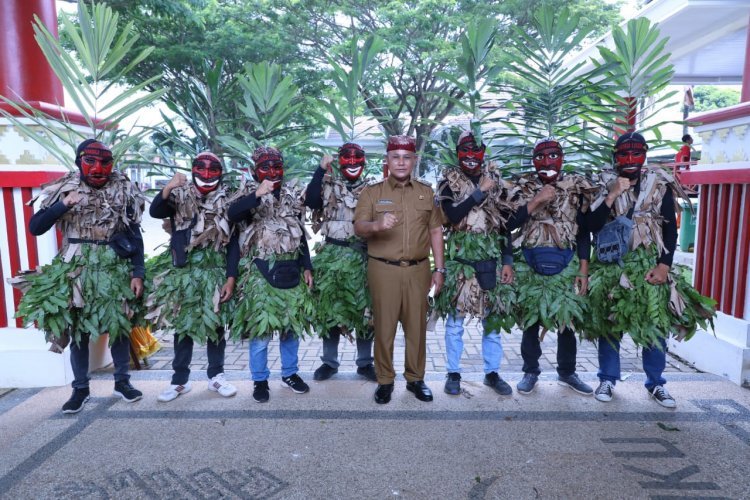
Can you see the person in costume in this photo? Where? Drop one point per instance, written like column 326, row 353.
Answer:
column 551, row 234
column 645, row 297
column 276, row 271
column 475, row 201
column 401, row 224
column 100, row 264
column 205, row 261
column 339, row 262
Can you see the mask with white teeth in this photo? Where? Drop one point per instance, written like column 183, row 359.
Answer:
column 470, row 155
column 207, row 172
column 351, row 161
column 548, row 160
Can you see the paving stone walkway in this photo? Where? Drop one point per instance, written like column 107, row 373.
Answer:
column 471, row 362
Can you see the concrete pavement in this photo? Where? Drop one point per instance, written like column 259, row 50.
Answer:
column 335, row 442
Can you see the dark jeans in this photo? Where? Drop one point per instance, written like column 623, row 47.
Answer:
column 531, row 351
column 654, row 362
column 331, row 350
column 183, row 354
column 79, row 361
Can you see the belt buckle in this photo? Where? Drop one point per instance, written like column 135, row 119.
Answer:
column 403, row 263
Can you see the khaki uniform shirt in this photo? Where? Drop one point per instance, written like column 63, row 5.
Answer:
column 412, row 203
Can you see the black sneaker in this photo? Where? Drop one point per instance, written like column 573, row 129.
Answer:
column 604, row 392
column 576, row 384
column 295, row 383
column 76, row 401
column 527, row 383
column 661, row 396
column 324, row 372
column 500, row 386
column 367, row 372
column 127, row 392
column 260, row 391
column 453, row 383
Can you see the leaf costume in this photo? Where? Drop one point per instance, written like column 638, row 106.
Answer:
column 554, row 226
column 622, row 301
column 186, row 295
column 341, row 291
column 271, row 229
column 86, row 287
column 476, row 237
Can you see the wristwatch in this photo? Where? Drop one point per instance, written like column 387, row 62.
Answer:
column 440, row 270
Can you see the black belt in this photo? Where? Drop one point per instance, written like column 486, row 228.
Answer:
column 84, row 240
column 400, row 263
column 356, row 245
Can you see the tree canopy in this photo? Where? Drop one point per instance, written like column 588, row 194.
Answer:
column 409, row 85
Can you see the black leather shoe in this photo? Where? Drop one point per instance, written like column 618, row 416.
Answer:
column 383, row 394
column 367, row 372
column 420, row 390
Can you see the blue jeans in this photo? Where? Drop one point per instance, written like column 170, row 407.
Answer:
column 492, row 348
column 654, row 362
column 288, row 346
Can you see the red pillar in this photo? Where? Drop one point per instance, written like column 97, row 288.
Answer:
column 745, row 97
column 24, row 71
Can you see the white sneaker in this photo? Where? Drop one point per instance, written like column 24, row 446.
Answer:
column 219, row 384
column 604, row 391
column 173, row 391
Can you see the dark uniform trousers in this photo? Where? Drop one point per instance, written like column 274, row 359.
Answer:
column 399, row 294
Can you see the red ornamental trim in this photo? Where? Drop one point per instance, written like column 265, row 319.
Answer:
column 26, row 179
column 700, row 240
column 733, row 231
column 744, row 255
column 3, row 314
column 740, row 110
column 721, row 243
column 13, row 251
column 31, row 246
column 726, row 176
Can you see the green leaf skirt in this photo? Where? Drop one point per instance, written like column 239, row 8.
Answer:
column 88, row 295
column 500, row 301
column 186, row 299
column 622, row 301
column 341, row 295
column 262, row 310
column 551, row 301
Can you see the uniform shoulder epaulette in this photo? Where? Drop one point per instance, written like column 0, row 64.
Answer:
column 375, row 182
column 423, row 181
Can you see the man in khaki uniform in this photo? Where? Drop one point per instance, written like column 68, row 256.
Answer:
column 401, row 223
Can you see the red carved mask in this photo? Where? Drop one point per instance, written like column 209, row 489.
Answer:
column 207, row 172
column 269, row 164
column 96, row 162
column 630, row 155
column 470, row 155
column 548, row 160
column 351, row 161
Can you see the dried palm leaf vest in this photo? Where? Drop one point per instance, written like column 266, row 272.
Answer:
column 273, row 233
column 186, row 300
column 621, row 301
column 86, row 287
column 551, row 300
column 477, row 238
column 341, row 292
